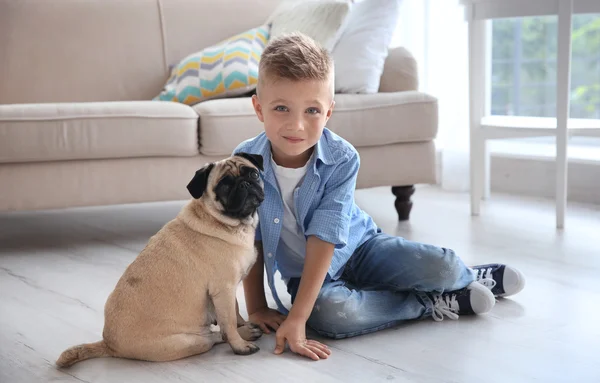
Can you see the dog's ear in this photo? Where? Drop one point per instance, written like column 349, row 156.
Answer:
column 197, row 185
column 256, row 159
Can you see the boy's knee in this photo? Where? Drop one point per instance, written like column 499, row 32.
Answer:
column 443, row 269
column 335, row 313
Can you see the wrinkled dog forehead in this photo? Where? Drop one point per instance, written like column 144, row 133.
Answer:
column 237, row 166
column 254, row 159
column 232, row 167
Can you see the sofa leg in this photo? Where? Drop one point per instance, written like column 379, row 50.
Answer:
column 403, row 203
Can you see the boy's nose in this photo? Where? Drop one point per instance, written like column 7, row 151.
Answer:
column 298, row 125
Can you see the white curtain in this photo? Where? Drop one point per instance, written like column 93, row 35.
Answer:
column 435, row 32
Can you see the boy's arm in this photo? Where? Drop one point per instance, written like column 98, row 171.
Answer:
column 254, row 286
column 318, row 259
column 316, row 264
column 259, row 312
column 328, row 229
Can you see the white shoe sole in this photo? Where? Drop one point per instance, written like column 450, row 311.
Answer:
column 513, row 281
column 482, row 299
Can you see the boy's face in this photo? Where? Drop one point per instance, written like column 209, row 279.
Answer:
column 294, row 114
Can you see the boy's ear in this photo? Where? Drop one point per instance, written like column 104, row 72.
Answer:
column 197, row 185
column 256, row 159
column 257, row 108
column 330, row 110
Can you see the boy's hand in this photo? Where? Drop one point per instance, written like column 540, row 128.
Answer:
column 265, row 318
column 294, row 331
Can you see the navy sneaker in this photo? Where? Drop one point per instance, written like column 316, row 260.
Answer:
column 473, row 299
column 502, row 280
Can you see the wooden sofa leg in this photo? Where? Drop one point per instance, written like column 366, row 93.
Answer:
column 403, row 203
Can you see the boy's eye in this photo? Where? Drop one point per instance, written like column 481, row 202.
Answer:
column 313, row 111
column 281, row 108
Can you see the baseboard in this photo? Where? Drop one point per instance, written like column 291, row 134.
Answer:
column 536, row 177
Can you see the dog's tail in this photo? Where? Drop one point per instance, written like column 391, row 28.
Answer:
column 82, row 352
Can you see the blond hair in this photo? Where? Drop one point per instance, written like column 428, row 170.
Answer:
column 295, row 57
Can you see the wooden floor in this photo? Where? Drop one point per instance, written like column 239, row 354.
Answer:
column 57, row 269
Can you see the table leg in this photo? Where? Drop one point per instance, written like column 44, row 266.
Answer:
column 563, row 104
column 477, row 94
column 486, row 171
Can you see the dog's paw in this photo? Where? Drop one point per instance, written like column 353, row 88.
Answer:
column 250, row 331
column 246, row 348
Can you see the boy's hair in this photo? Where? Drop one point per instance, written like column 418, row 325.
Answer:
column 294, row 57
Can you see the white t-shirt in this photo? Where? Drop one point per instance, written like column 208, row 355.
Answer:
column 292, row 243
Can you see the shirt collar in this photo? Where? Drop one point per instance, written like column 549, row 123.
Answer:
column 323, row 150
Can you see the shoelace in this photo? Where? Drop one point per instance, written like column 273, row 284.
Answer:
column 484, row 276
column 445, row 305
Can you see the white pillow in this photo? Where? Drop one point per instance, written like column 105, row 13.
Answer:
column 321, row 20
column 362, row 48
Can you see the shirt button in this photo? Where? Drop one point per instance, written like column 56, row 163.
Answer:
column 270, row 255
column 276, row 220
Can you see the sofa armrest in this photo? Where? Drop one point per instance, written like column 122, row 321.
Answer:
column 399, row 72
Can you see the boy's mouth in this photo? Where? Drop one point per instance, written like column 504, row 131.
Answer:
column 293, row 140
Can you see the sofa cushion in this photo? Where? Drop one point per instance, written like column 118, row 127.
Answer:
column 385, row 118
column 227, row 69
column 361, row 53
column 362, row 119
column 49, row 132
column 80, row 51
column 323, row 21
column 192, row 25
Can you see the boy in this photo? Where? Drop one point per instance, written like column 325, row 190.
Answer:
column 344, row 275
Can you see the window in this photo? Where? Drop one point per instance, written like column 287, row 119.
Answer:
column 523, row 81
column 524, row 66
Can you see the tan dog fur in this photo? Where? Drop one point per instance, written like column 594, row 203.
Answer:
column 182, row 282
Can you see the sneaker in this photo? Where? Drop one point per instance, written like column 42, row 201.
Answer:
column 502, row 280
column 473, row 299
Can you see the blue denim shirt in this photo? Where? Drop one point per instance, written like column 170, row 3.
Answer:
column 324, row 203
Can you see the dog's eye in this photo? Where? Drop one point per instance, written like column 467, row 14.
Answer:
column 254, row 174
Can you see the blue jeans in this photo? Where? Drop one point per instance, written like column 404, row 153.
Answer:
column 384, row 283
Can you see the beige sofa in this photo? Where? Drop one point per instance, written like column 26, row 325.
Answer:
column 77, row 126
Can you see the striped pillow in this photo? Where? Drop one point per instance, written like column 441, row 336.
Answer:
column 227, row 69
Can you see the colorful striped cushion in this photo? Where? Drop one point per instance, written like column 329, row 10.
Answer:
column 227, row 69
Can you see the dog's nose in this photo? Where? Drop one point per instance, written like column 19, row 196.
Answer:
column 244, row 184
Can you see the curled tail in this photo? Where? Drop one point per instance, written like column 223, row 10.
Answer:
column 82, row 352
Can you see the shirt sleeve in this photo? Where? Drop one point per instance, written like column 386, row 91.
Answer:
column 331, row 220
column 237, row 148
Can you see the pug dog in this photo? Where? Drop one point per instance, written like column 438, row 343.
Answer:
column 185, row 279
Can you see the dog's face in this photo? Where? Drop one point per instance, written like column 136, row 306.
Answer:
column 233, row 186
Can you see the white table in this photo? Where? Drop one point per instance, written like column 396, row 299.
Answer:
column 485, row 127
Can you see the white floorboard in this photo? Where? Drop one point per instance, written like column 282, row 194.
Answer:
column 57, row 269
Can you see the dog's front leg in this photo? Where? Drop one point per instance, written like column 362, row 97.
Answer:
column 225, row 303
column 247, row 330
column 240, row 320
